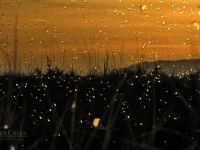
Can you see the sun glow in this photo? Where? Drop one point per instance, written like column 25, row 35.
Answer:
column 70, row 31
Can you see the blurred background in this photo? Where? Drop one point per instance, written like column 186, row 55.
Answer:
column 87, row 35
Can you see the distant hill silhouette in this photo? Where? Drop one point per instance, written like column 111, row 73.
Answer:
column 166, row 66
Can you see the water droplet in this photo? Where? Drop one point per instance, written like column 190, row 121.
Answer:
column 196, row 25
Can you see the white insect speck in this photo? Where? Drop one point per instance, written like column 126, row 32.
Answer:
column 5, row 126
column 73, row 105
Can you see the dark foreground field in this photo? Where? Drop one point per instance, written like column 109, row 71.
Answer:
column 137, row 111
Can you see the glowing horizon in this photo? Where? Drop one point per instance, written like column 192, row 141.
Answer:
column 67, row 31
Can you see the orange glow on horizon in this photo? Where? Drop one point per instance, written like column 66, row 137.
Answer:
column 70, row 31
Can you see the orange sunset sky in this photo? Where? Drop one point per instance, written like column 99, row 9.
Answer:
column 78, row 33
